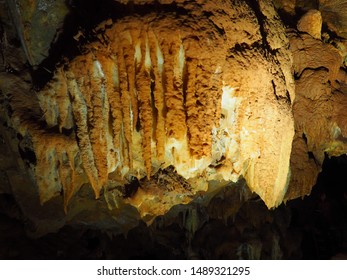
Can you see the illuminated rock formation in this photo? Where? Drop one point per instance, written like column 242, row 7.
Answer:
column 173, row 112
column 161, row 108
column 311, row 23
column 319, row 110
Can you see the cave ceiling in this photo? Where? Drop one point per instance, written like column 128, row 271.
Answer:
column 125, row 114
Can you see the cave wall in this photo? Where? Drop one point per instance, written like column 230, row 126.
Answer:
column 319, row 107
column 163, row 104
column 146, row 94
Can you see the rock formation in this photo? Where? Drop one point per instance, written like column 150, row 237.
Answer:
column 166, row 102
column 153, row 92
column 318, row 110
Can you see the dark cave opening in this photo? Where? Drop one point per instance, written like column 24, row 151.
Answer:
column 322, row 216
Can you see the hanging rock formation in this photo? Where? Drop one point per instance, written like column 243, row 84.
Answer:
column 160, row 108
column 150, row 94
column 177, row 113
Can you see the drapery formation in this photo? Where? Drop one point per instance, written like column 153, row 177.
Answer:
column 153, row 92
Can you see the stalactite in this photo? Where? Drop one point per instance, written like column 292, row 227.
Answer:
column 57, row 165
column 192, row 115
column 63, row 101
column 149, row 95
column 109, row 116
column 143, row 85
column 175, row 116
column 159, row 97
column 48, row 104
column 66, row 172
column 203, row 119
column 126, row 113
column 214, row 88
column 80, row 112
column 100, row 118
column 114, row 98
column 129, row 38
column 178, row 113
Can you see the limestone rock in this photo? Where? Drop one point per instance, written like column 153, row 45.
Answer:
column 311, row 23
column 292, row 6
column 149, row 97
column 334, row 14
column 318, row 111
column 38, row 23
column 307, row 53
column 286, row 5
column 159, row 109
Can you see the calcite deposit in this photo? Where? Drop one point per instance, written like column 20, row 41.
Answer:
column 206, row 93
column 170, row 121
column 319, row 110
column 334, row 14
column 311, row 23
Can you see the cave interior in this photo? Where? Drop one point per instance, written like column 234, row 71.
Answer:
column 189, row 182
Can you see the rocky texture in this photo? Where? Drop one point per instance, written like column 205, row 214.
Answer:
column 311, row 23
column 319, row 110
column 183, row 233
column 233, row 225
column 287, row 6
column 319, row 68
column 11, row 59
column 147, row 117
column 292, row 7
column 39, row 24
column 142, row 116
column 334, row 14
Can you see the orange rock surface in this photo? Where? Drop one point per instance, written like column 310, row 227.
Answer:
column 319, row 110
column 208, row 92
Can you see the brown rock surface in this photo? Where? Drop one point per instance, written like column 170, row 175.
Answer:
column 31, row 18
column 311, row 23
column 157, row 113
column 334, row 13
column 319, row 110
column 286, row 5
column 194, row 100
column 211, row 115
